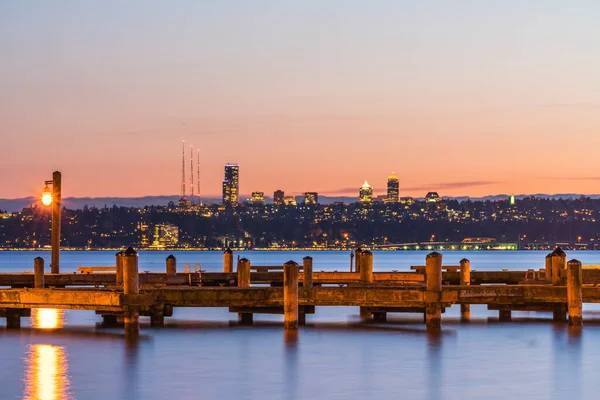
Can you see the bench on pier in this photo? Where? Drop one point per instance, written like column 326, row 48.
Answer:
column 449, row 268
column 272, row 268
column 91, row 270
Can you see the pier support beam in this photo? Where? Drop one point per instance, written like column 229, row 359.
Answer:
column 504, row 315
column 109, row 320
column 131, row 286
column 228, row 261
column 433, row 284
column 559, row 263
column 38, row 273
column 290, row 295
column 13, row 318
column 119, row 264
column 357, row 261
column 243, row 277
column 307, row 272
column 574, row 293
column 366, row 277
column 465, row 280
column 171, row 265
column 548, row 266
column 380, row 316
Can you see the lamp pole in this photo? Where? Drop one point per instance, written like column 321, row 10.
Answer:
column 56, row 208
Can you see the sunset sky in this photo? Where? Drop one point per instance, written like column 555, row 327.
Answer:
column 462, row 97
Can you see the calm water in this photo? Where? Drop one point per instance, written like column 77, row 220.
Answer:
column 202, row 353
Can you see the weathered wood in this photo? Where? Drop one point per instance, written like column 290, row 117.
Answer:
column 307, row 272
column 243, row 281
column 91, row 270
column 38, row 272
column 290, row 295
column 131, row 287
column 228, row 261
column 433, row 285
column 171, row 265
column 465, row 280
column 574, row 292
column 366, row 277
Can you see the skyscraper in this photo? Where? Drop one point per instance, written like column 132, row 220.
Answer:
column 393, row 189
column 311, row 198
column 278, row 196
column 258, row 198
column 231, row 185
column 365, row 193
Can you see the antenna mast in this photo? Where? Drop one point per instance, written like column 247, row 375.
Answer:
column 183, row 184
column 192, row 172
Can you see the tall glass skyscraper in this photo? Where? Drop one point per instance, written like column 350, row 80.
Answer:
column 231, row 184
column 393, row 189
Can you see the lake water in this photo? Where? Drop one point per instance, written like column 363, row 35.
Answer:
column 203, row 353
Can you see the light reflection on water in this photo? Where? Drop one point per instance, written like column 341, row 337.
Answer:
column 47, row 373
column 47, row 318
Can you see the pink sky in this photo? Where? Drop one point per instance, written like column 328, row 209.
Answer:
column 475, row 101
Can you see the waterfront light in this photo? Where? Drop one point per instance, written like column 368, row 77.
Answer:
column 46, row 196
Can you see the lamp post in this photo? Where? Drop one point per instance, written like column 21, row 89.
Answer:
column 54, row 198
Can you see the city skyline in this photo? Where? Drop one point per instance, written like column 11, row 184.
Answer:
column 467, row 99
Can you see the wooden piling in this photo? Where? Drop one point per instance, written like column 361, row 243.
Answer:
column 228, row 261
column 13, row 318
column 243, row 276
column 38, row 272
column 357, row 261
column 574, row 292
column 559, row 262
column 307, row 272
column 465, row 280
column 548, row 267
column 433, row 285
column 119, row 265
column 171, row 265
column 504, row 315
column 55, row 224
column 366, row 277
column 290, row 295
column 131, row 287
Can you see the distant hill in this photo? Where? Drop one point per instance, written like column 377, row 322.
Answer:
column 13, row 205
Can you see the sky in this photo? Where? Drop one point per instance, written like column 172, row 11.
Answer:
column 462, row 97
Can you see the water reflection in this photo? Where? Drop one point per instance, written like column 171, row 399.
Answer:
column 46, row 375
column 47, row 318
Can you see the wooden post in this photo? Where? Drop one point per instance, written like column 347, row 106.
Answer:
column 38, row 272
column 119, row 264
column 366, row 277
column 357, row 261
column 13, row 318
column 307, row 272
column 465, row 280
column 559, row 262
column 290, row 295
column 228, row 261
column 574, row 292
column 171, row 265
column 56, row 209
column 351, row 260
column 243, row 276
column 433, row 285
column 504, row 315
column 131, row 287
column 548, row 266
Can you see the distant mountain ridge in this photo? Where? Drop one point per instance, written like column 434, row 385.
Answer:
column 13, row 205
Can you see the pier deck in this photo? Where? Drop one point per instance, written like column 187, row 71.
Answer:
column 127, row 293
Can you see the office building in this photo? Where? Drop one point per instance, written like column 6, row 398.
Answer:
column 278, row 197
column 258, row 198
column 393, row 189
column 311, row 198
column 365, row 193
column 231, row 185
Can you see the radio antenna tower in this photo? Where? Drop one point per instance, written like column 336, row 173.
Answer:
column 192, row 173
column 183, row 184
column 198, row 178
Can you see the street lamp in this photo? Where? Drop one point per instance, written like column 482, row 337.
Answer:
column 54, row 198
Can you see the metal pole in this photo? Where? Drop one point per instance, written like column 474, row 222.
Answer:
column 56, row 208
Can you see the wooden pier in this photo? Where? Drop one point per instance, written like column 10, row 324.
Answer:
column 122, row 294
